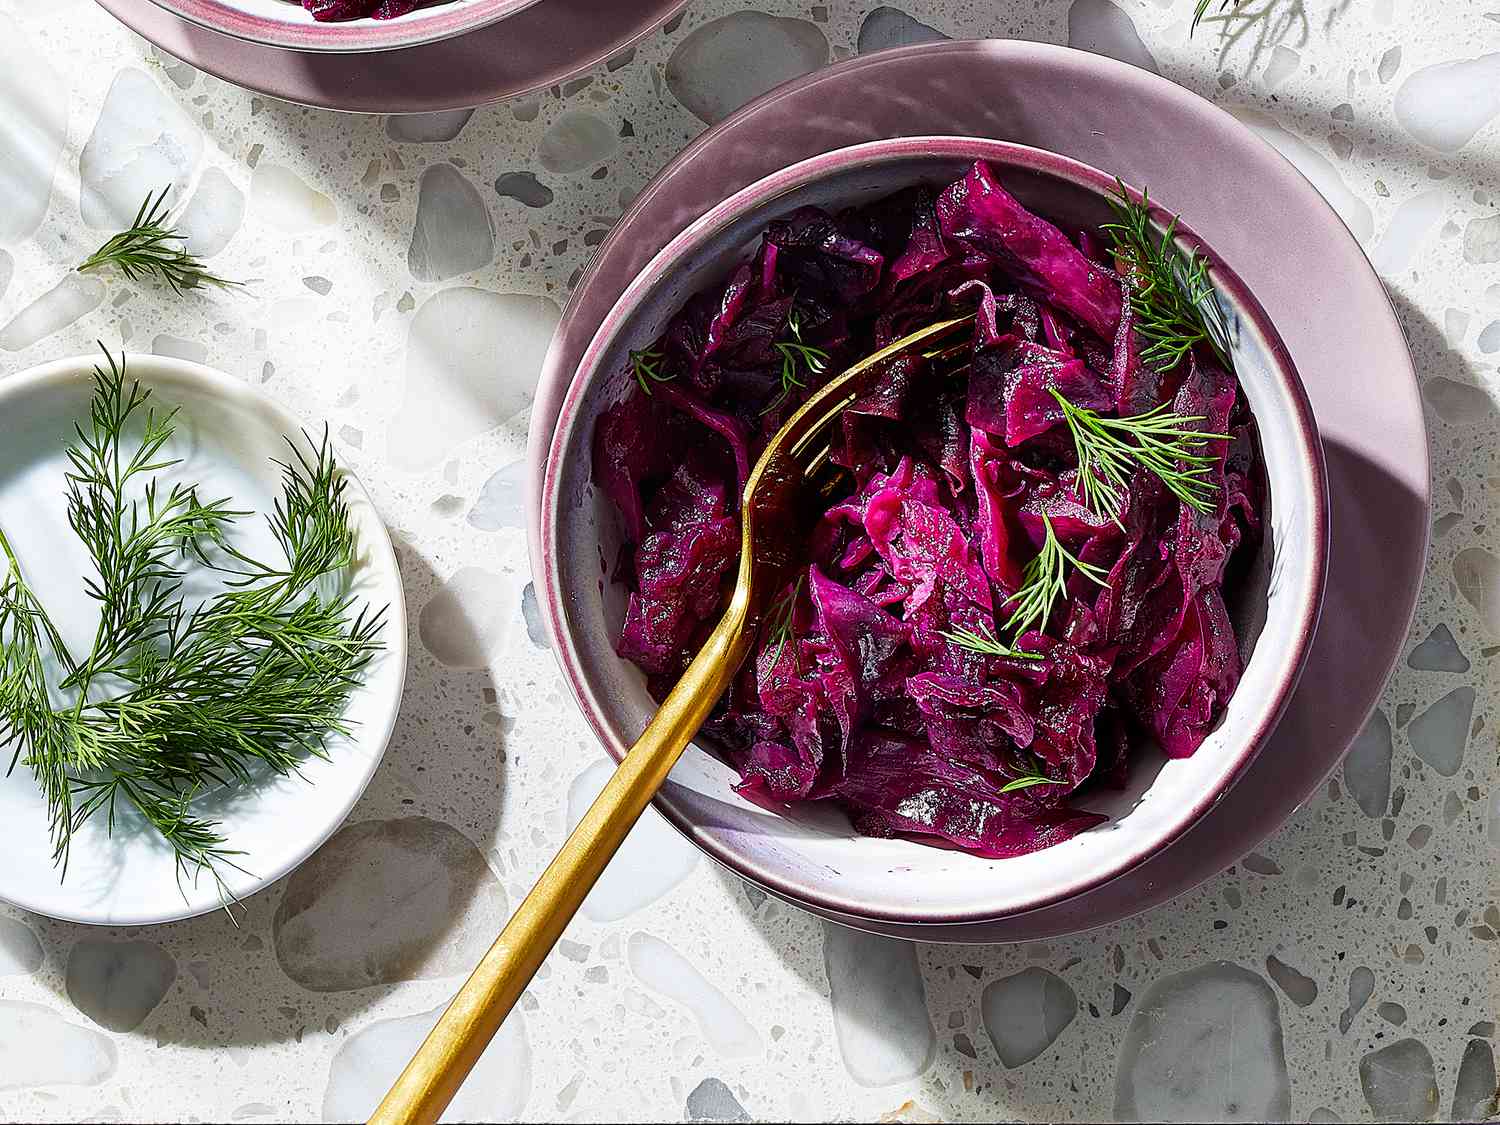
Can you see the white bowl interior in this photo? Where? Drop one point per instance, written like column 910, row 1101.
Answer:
column 228, row 437
column 810, row 852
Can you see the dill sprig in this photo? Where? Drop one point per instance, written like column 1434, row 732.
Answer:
column 1043, row 580
column 1026, row 781
column 779, row 619
column 984, row 642
column 174, row 699
column 646, row 365
column 1169, row 290
column 1160, row 441
column 1201, row 10
column 151, row 248
column 796, row 356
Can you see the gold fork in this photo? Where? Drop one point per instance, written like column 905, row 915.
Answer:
column 795, row 466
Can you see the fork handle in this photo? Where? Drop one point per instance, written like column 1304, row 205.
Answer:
column 454, row 1045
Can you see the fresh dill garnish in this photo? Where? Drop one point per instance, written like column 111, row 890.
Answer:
column 1169, row 290
column 985, row 643
column 175, row 699
column 795, row 357
column 1160, row 441
column 646, row 365
column 1043, row 579
column 1028, row 781
column 1201, row 10
column 151, row 248
column 779, row 620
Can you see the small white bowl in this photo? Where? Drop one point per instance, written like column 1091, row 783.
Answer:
column 809, row 854
column 229, row 436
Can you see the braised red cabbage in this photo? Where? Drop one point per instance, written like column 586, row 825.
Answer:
column 330, row 11
column 870, row 686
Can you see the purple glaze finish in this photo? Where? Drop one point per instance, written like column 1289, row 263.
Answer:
column 1302, row 583
column 547, row 43
column 1372, row 425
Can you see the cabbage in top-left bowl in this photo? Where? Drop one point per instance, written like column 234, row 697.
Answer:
column 287, row 24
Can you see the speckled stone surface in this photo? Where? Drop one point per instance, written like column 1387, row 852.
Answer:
column 405, row 276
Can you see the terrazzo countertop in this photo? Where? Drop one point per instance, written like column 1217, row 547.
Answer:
column 406, row 275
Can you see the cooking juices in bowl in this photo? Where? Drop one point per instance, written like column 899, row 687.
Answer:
column 1026, row 574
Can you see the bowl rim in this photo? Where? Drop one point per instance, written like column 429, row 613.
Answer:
column 1016, row 156
column 376, row 730
column 424, row 25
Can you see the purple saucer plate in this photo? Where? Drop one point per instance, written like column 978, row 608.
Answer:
column 537, row 47
column 1288, row 247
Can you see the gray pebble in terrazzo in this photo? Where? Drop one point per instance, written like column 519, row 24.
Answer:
column 466, row 620
column 1367, row 767
column 1300, row 988
column 1171, row 1065
column 653, row 859
column 1440, row 733
column 887, row 27
column 720, row 1021
column 532, row 613
column 427, row 128
column 1445, row 104
column 386, row 901
column 1099, row 26
column 1261, row 864
column 179, row 72
column 142, row 142
column 1390, row 62
column 472, row 358
column 1474, row 1093
column 1438, row 653
column 452, row 233
column 1489, row 338
column 1482, row 240
column 1024, row 1014
column 711, row 1100
column 525, row 188
column 1457, row 403
column 177, row 348
column 41, row 1048
column 1476, row 572
column 1284, row 63
column 729, row 61
column 74, row 296
column 287, row 202
column 213, row 214
column 368, row 1061
column 575, row 141
column 1399, row 1083
column 500, row 502
column 20, row 952
column 118, row 983
column 879, row 1004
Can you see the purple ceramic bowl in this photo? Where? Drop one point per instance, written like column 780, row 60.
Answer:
column 286, row 24
column 810, row 855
